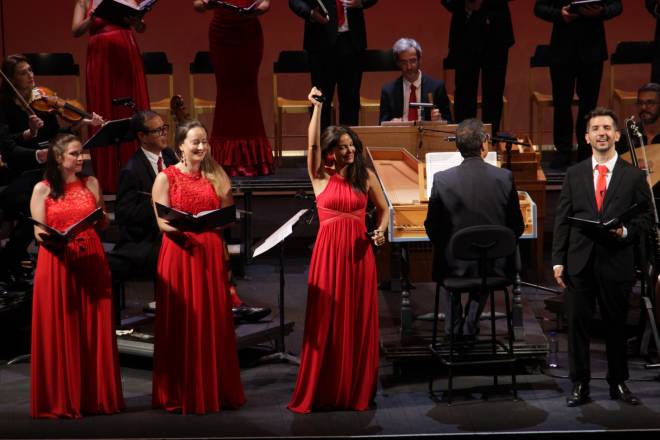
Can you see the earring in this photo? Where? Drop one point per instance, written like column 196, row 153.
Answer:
column 183, row 159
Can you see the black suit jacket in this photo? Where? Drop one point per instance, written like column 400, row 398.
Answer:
column 320, row 37
column 581, row 40
column 488, row 27
column 134, row 212
column 651, row 7
column 473, row 193
column 391, row 99
column 573, row 246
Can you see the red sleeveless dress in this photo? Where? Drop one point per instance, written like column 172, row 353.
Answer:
column 238, row 139
column 339, row 363
column 75, row 369
column 195, row 360
column 114, row 70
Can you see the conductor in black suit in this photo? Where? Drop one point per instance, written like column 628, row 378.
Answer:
column 577, row 51
column 480, row 36
column 334, row 43
column 595, row 264
column 138, row 246
column 473, row 193
column 412, row 86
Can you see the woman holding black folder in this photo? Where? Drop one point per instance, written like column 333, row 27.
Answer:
column 74, row 369
column 195, row 360
column 114, row 69
column 236, row 42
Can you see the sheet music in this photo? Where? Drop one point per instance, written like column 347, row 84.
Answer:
column 279, row 235
column 440, row 161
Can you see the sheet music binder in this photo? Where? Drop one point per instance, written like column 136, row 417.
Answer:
column 118, row 11
column 73, row 230
column 202, row 221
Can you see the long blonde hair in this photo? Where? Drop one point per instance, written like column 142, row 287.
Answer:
column 210, row 169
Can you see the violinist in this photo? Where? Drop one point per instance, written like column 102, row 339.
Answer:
column 24, row 147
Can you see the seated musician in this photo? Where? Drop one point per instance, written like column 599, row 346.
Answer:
column 470, row 194
column 648, row 111
column 412, row 86
column 24, row 146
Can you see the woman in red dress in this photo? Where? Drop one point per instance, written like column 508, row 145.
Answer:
column 339, row 363
column 238, row 139
column 195, row 360
column 114, row 70
column 75, row 369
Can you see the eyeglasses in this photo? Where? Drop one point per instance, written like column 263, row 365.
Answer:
column 648, row 103
column 159, row 131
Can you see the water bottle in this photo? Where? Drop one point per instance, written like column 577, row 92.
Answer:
column 553, row 350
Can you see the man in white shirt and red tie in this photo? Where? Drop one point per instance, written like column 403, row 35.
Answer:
column 412, row 86
column 597, row 263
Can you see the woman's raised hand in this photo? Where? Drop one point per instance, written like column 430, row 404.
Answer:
column 315, row 97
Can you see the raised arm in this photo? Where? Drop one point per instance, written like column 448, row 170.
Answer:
column 314, row 159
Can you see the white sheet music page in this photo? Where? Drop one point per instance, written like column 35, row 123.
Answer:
column 279, row 235
column 443, row 160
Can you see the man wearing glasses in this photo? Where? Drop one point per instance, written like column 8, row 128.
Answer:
column 648, row 111
column 412, row 86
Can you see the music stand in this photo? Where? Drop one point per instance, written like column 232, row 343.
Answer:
column 114, row 132
column 277, row 239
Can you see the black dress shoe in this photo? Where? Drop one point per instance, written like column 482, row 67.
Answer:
column 621, row 392
column 249, row 313
column 579, row 395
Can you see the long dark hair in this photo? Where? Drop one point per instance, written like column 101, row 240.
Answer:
column 356, row 173
column 9, row 68
column 53, row 173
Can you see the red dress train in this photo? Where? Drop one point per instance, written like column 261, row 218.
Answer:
column 195, row 360
column 339, row 363
column 114, row 70
column 75, row 369
column 238, row 139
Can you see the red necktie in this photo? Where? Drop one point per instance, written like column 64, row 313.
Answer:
column 601, row 186
column 412, row 111
column 159, row 164
column 341, row 16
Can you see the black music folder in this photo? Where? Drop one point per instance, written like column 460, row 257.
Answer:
column 202, row 221
column 574, row 5
column 613, row 223
column 235, row 8
column 63, row 236
column 118, row 11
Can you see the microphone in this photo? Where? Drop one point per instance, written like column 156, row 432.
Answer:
column 126, row 101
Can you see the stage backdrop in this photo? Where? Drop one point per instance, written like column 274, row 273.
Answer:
column 174, row 27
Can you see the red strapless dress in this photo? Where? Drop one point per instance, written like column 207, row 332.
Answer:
column 339, row 363
column 75, row 369
column 114, row 70
column 195, row 360
column 238, row 139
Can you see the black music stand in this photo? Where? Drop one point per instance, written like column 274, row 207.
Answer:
column 278, row 239
column 114, row 132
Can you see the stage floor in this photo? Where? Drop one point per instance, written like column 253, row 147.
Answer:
column 403, row 406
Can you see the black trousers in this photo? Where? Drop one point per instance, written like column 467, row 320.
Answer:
column 583, row 292
column 568, row 79
column 340, row 67
column 492, row 66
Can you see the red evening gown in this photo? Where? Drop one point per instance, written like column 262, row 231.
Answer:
column 75, row 369
column 195, row 360
column 238, row 138
column 114, row 70
column 339, row 363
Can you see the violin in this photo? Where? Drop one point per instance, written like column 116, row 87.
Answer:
column 44, row 100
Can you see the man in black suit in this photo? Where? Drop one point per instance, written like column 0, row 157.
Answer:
column 595, row 264
column 653, row 6
column 577, row 51
column 480, row 35
column 334, row 43
column 473, row 193
column 412, row 86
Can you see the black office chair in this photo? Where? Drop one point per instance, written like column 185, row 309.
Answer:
column 627, row 53
column 201, row 65
column 55, row 64
column 483, row 244
column 375, row 60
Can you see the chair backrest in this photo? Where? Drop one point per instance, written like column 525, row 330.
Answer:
column 482, row 243
column 201, row 63
column 156, row 63
column 633, row 52
column 378, row 60
column 291, row 61
column 53, row 64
